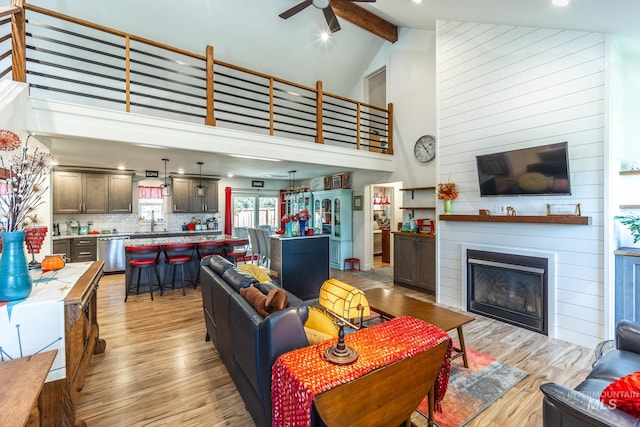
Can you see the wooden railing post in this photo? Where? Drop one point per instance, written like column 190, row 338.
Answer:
column 319, row 133
column 18, row 43
column 127, row 43
column 210, row 120
column 390, row 128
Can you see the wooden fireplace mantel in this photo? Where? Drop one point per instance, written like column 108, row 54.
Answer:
column 532, row 219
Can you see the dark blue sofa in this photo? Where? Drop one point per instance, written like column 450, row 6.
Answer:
column 248, row 344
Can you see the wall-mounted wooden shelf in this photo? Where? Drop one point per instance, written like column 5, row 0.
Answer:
column 418, row 207
column 533, row 219
column 634, row 172
column 629, row 206
column 414, row 189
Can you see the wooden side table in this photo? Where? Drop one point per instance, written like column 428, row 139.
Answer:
column 22, row 382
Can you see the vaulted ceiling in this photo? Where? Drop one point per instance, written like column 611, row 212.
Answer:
column 250, row 33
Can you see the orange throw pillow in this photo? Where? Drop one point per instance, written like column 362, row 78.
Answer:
column 624, row 394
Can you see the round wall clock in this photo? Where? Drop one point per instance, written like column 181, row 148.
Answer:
column 425, row 148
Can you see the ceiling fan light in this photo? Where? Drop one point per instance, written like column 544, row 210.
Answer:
column 321, row 4
column 324, row 36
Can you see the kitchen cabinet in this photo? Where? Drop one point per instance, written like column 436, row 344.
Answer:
column 187, row 200
column 63, row 247
column 332, row 215
column 120, row 193
column 79, row 192
column 627, row 284
column 83, row 249
column 414, row 261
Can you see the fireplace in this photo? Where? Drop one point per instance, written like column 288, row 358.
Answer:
column 509, row 287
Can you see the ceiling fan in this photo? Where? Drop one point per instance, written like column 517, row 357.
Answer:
column 325, row 5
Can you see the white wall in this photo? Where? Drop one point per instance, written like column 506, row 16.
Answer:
column 504, row 87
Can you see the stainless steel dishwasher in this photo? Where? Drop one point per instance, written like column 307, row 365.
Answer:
column 111, row 251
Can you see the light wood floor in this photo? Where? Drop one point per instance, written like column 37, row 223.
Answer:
column 158, row 370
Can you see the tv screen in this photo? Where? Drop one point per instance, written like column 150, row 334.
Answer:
column 542, row 170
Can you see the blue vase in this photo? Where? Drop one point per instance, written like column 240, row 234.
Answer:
column 15, row 280
column 303, row 227
column 288, row 229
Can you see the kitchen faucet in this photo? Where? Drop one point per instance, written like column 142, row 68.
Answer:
column 153, row 221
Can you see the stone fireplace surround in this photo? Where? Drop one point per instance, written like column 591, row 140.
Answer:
column 551, row 264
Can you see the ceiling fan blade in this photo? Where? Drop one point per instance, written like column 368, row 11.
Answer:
column 295, row 9
column 332, row 20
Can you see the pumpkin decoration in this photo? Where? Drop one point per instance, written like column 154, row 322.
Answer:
column 52, row 262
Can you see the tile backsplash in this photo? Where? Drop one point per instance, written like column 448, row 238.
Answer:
column 127, row 223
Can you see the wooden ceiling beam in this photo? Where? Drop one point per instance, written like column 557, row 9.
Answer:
column 363, row 18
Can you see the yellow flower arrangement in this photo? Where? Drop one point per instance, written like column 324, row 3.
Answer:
column 447, row 191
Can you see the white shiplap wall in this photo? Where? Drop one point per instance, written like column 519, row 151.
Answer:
column 501, row 88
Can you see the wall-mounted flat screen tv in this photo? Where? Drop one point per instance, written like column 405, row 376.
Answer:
column 541, row 170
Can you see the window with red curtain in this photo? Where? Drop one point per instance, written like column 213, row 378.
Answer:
column 145, row 192
column 150, row 202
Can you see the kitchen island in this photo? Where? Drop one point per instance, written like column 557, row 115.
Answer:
column 301, row 263
column 227, row 243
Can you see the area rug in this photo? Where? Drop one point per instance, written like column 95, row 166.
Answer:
column 471, row 390
column 384, row 274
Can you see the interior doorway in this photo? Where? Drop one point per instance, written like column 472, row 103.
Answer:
column 382, row 213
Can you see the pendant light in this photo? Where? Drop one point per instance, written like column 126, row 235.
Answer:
column 200, row 189
column 166, row 185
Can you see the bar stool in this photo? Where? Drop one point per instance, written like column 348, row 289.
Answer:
column 238, row 251
column 178, row 254
column 207, row 248
column 143, row 258
column 351, row 262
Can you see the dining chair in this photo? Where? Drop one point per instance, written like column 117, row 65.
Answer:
column 254, row 244
column 238, row 251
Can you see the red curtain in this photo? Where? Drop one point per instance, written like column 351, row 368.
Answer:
column 4, row 188
column 227, row 211
column 150, row 192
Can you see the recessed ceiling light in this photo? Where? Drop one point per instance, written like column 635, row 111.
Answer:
column 121, row 168
column 417, row 1
column 230, row 175
column 560, row 2
column 181, row 171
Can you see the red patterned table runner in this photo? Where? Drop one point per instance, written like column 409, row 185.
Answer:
column 299, row 375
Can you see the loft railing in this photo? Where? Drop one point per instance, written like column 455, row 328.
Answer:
column 73, row 60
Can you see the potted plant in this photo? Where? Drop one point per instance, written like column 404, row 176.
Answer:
column 447, row 191
column 633, row 224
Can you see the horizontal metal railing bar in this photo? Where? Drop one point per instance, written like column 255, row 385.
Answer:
column 246, row 98
column 73, row 69
column 259, row 74
column 292, row 132
column 296, row 101
column 173, row 91
column 332, row 132
column 156, row 67
column 236, row 113
column 222, row 119
column 108, row 30
column 310, row 111
column 70, row 92
column 292, row 117
column 164, row 58
column 244, row 106
column 168, row 110
column 280, row 122
column 170, row 101
column 240, row 88
column 240, row 79
column 297, row 95
column 5, row 38
column 5, row 71
column 74, row 46
column 74, row 81
column 342, row 98
column 164, row 79
column 73, row 57
column 73, row 33
column 5, row 55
